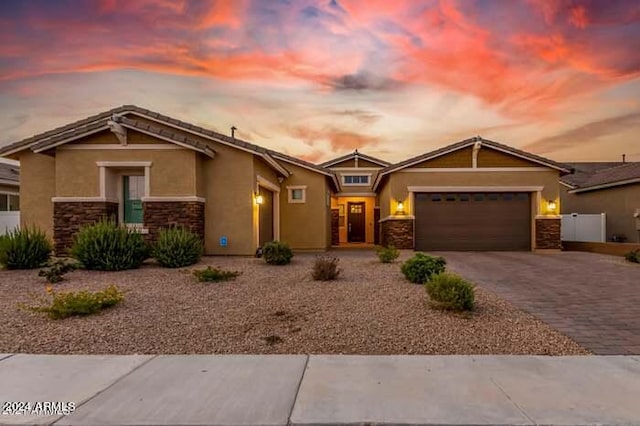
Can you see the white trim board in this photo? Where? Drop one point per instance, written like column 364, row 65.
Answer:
column 354, row 194
column 266, row 183
column 474, row 188
column 83, row 200
column 123, row 163
column 170, row 198
column 472, row 170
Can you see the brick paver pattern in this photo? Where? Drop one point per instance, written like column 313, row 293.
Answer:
column 592, row 298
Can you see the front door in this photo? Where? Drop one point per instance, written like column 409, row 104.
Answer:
column 265, row 224
column 133, row 188
column 355, row 222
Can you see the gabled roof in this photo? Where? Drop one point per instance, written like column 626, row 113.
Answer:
column 592, row 176
column 99, row 122
column 9, row 174
column 467, row 143
column 352, row 156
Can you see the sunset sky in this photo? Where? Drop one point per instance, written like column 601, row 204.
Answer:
column 319, row 78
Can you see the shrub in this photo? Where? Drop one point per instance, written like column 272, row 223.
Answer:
column 66, row 304
column 105, row 246
column 633, row 256
column 449, row 291
column 26, row 248
column 421, row 267
column 214, row 274
column 177, row 247
column 277, row 253
column 325, row 268
column 387, row 254
column 55, row 270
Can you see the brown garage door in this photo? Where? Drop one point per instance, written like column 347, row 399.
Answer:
column 473, row 221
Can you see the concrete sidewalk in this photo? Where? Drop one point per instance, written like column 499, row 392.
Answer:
column 325, row 390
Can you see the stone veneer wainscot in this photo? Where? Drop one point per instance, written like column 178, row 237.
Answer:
column 548, row 233
column 397, row 232
column 70, row 216
column 164, row 214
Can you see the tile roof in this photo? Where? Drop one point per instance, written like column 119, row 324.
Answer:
column 353, row 155
column 9, row 172
column 591, row 175
column 468, row 142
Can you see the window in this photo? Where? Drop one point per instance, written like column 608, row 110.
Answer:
column 9, row 202
column 355, row 179
column 297, row 194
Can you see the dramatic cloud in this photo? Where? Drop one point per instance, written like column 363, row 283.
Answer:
column 414, row 72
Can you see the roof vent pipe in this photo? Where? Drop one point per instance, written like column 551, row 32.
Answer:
column 233, row 132
column 624, row 158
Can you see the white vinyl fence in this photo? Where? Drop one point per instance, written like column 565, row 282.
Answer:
column 9, row 221
column 584, row 227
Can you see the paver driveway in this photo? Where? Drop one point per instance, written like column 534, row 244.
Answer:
column 594, row 299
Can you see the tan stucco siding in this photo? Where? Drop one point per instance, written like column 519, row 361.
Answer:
column 346, row 163
column 488, row 157
column 172, row 172
column 305, row 225
column 229, row 186
column 459, row 158
column 384, row 198
column 355, row 189
column 201, row 164
column 104, row 137
column 618, row 203
column 37, row 187
column 365, row 163
column 396, row 189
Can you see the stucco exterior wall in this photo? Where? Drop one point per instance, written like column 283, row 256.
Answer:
column 229, row 208
column 459, row 158
column 172, row 173
column 37, row 187
column 619, row 204
column 488, row 157
column 396, row 187
column 306, row 226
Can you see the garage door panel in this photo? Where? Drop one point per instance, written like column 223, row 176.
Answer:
column 473, row 221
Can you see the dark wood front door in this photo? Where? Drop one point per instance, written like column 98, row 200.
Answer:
column 266, row 217
column 355, row 222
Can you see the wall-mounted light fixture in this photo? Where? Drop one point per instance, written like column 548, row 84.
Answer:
column 551, row 205
column 400, row 208
column 259, row 198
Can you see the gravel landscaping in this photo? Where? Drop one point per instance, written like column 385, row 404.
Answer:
column 370, row 309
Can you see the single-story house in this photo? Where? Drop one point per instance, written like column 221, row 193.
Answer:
column 610, row 188
column 9, row 197
column 149, row 171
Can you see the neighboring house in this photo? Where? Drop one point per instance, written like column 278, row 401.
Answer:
column 151, row 171
column 9, row 197
column 610, row 188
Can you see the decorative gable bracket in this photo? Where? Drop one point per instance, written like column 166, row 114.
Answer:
column 118, row 129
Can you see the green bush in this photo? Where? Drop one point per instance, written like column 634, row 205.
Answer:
column 387, row 254
column 177, row 247
column 66, row 304
column 277, row 253
column 325, row 268
column 421, row 267
column 55, row 271
column 26, row 248
column 105, row 246
column 214, row 274
column 633, row 256
column 449, row 291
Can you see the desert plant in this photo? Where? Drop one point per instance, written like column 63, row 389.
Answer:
column 633, row 256
column 105, row 246
column 387, row 254
column 421, row 267
column 54, row 272
column 214, row 274
column 177, row 247
column 325, row 268
column 25, row 248
column 449, row 291
column 66, row 304
column 277, row 253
